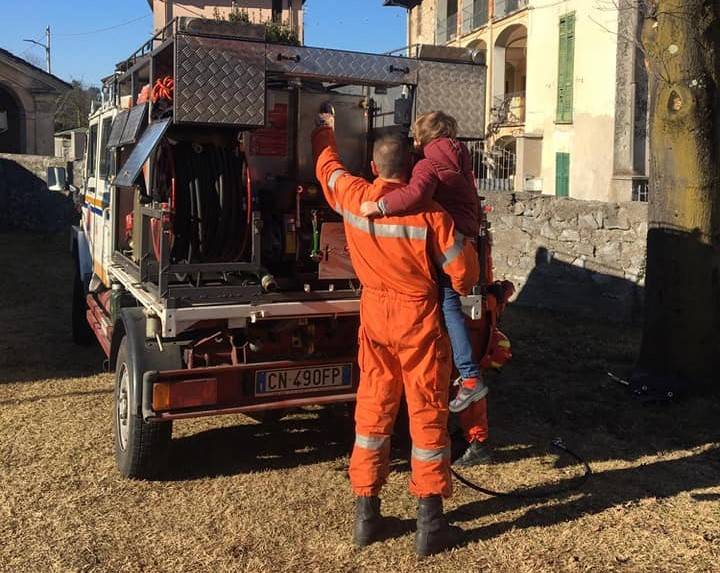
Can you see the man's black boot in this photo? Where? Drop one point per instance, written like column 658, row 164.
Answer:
column 368, row 521
column 477, row 453
column 434, row 534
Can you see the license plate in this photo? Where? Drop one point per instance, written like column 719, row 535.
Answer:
column 301, row 380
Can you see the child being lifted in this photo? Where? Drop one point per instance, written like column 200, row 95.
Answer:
column 445, row 176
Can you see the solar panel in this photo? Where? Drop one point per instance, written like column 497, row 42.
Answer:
column 118, row 127
column 135, row 122
column 140, row 154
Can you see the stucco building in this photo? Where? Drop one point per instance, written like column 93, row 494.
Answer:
column 567, row 98
column 28, row 101
column 289, row 12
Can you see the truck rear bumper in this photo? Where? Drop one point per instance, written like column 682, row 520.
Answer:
column 182, row 394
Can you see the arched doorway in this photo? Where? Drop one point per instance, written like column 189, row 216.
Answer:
column 11, row 120
column 509, row 75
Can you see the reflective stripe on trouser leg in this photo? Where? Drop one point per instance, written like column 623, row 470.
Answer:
column 430, row 472
column 474, row 421
column 369, row 464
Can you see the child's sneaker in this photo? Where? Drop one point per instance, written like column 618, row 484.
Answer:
column 471, row 390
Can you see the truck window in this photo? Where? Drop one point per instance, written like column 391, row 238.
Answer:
column 104, row 151
column 92, row 150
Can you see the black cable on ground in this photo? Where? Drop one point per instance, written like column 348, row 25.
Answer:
column 558, row 444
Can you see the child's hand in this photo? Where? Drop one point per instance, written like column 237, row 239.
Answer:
column 370, row 209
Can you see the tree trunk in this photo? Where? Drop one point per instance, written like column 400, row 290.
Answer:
column 681, row 342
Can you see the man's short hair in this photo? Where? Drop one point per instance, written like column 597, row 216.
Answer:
column 391, row 155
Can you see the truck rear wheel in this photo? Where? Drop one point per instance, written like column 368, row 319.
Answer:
column 141, row 448
column 81, row 332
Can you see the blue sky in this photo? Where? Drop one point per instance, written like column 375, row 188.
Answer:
column 84, row 49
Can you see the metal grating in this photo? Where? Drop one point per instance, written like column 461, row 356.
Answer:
column 118, row 127
column 456, row 87
column 219, row 82
column 135, row 122
column 339, row 66
column 140, row 154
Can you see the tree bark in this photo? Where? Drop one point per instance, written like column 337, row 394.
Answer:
column 681, row 342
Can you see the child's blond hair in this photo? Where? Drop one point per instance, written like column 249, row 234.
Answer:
column 433, row 125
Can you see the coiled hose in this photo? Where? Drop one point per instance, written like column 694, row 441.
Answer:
column 211, row 204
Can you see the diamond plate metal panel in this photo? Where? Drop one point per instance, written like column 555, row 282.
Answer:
column 118, row 127
column 458, row 89
column 339, row 66
column 219, row 82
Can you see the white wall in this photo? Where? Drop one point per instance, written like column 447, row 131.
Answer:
column 589, row 139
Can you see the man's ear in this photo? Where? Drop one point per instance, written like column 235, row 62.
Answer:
column 373, row 167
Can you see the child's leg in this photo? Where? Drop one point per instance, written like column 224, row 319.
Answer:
column 459, row 334
column 472, row 387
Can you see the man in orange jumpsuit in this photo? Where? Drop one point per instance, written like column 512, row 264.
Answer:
column 403, row 345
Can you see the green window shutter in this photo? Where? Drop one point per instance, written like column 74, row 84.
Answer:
column 566, row 68
column 562, row 175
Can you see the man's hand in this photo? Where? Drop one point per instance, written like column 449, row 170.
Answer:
column 325, row 120
column 370, row 209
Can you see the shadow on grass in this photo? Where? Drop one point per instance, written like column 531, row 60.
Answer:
column 618, row 487
column 295, row 441
column 31, row 399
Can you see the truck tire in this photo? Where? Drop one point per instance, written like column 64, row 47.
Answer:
column 81, row 332
column 141, row 448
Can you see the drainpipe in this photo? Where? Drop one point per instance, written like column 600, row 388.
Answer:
column 489, row 98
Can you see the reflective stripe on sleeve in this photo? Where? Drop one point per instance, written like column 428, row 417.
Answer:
column 334, row 176
column 423, row 455
column 454, row 251
column 370, row 442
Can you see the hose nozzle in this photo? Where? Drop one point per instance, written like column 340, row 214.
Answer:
column 268, row 283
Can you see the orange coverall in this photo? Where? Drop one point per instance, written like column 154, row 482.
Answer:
column 403, row 344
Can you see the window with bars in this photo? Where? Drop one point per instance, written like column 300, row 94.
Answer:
column 566, row 69
column 475, row 15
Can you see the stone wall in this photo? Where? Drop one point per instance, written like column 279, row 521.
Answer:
column 26, row 204
column 582, row 257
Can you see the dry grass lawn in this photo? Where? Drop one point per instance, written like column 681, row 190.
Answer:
column 241, row 496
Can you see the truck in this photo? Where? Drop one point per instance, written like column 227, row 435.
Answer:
column 208, row 265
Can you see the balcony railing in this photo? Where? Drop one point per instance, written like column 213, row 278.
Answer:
column 509, row 109
column 494, row 168
column 506, row 7
column 447, row 30
column 475, row 15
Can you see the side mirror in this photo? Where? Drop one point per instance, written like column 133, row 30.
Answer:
column 57, row 179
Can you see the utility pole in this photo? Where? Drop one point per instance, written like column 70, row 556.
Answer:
column 46, row 46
